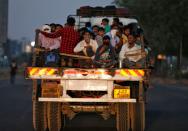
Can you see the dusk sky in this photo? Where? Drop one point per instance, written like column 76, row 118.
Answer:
column 26, row 15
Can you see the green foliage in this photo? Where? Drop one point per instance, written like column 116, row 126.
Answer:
column 165, row 22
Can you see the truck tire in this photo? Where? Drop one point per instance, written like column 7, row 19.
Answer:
column 122, row 117
column 139, row 116
column 137, row 110
column 54, row 116
column 39, row 116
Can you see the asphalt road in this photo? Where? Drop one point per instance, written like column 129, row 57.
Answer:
column 167, row 109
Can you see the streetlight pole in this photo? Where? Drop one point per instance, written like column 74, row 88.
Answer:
column 179, row 56
column 181, row 44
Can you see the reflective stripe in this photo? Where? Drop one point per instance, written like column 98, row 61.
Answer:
column 41, row 71
column 132, row 72
column 37, row 71
column 124, row 73
column 33, row 71
column 51, row 72
column 141, row 72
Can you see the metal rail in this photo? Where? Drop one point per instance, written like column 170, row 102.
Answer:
column 89, row 100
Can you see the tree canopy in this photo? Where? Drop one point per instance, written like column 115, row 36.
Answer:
column 165, row 22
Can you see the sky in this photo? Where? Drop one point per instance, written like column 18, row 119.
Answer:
column 27, row 15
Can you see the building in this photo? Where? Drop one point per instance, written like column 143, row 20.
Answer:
column 3, row 24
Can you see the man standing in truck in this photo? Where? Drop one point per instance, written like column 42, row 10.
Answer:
column 69, row 36
column 69, row 39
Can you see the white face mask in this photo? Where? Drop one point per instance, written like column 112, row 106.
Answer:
column 113, row 32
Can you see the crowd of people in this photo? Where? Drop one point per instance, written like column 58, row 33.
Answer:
column 105, row 45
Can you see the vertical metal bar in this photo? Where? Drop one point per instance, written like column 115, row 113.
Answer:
column 110, row 88
column 64, row 84
column 141, row 92
column 34, row 93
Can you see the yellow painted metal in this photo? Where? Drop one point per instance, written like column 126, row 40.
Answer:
column 123, row 73
column 141, row 72
column 121, row 93
column 133, row 73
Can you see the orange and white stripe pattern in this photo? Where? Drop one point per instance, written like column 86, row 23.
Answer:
column 35, row 71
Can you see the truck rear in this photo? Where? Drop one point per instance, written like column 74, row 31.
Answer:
column 60, row 92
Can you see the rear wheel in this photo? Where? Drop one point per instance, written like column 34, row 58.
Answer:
column 137, row 110
column 122, row 117
column 138, row 116
column 54, row 116
column 39, row 116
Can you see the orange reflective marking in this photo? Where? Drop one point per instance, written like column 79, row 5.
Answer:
column 41, row 71
column 50, row 71
column 124, row 73
column 141, row 72
column 33, row 71
column 133, row 73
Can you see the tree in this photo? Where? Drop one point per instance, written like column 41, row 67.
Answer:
column 165, row 22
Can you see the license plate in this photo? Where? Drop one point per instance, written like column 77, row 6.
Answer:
column 121, row 93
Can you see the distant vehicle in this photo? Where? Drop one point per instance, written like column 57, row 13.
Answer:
column 60, row 92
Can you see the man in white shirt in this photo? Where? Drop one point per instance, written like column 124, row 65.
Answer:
column 87, row 46
column 131, row 54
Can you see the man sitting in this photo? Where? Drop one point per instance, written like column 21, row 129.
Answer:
column 105, row 55
column 86, row 47
column 131, row 54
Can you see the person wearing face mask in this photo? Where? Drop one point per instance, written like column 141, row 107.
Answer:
column 105, row 55
column 114, row 39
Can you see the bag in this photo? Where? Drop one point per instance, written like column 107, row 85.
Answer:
column 90, row 52
column 52, row 59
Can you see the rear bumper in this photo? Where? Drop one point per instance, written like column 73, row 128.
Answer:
column 89, row 100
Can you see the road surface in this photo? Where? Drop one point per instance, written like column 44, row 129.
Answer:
column 167, row 109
